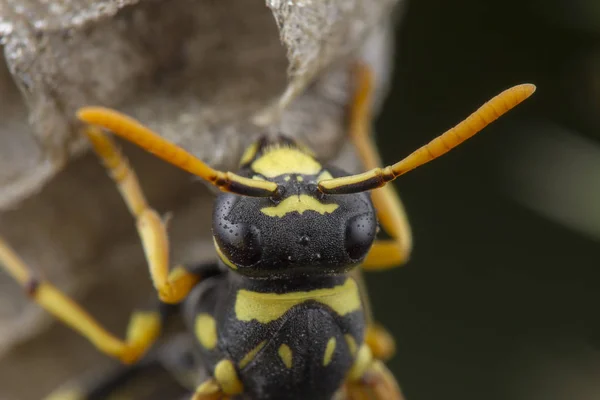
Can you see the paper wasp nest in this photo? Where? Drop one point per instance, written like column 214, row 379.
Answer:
column 208, row 75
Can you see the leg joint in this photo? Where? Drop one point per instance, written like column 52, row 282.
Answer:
column 31, row 286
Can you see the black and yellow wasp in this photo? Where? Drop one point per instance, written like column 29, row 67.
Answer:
column 281, row 315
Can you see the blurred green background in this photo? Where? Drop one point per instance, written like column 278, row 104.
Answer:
column 500, row 299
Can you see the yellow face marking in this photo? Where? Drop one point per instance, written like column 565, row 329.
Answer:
column 206, row 330
column 298, row 204
column 285, row 160
column 287, row 178
column 324, row 176
column 285, row 353
column 267, row 307
column 227, row 377
column 222, row 256
column 249, row 153
column 351, row 343
column 300, row 179
column 363, row 360
column 329, row 351
column 251, row 354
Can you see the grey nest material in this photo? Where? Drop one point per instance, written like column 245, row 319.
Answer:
column 209, row 76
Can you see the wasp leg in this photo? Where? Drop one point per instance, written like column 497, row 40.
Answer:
column 168, row 369
column 224, row 384
column 369, row 379
column 377, row 383
column 391, row 214
column 390, row 211
column 144, row 326
column 380, row 341
column 172, row 286
column 154, row 374
column 96, row 390
column 377, row 337
column 209, row 390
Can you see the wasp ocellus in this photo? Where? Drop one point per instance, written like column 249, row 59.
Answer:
column 281, row 315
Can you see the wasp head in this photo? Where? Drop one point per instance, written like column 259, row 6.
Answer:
column 301, row 231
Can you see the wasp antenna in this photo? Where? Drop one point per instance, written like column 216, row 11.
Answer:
column 485, row 115
column 133, row 131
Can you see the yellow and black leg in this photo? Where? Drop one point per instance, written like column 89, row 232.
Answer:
column 377, row 337
column 224, row 384
column 172, row 286
column 165, row 372
column 384, row 254
column 144, row 326
column 114, row 383
column 169, row 369
column 369, row 379
column 390, row 211
column 209, row 390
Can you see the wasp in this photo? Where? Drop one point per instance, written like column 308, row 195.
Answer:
column 281, row 315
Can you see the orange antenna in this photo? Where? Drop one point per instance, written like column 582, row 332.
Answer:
column 133, row 131
column 485, row 115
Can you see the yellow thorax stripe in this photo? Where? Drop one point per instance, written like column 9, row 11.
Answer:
column 300, row 204
column 267, row 307
column 285, row 160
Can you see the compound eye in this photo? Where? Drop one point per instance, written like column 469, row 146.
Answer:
column 360, row 233
column 239, row 243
